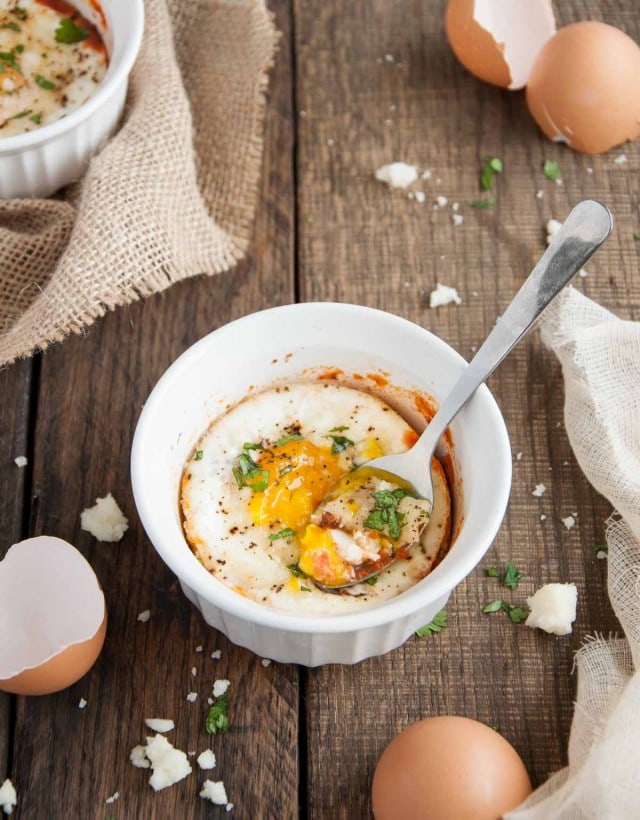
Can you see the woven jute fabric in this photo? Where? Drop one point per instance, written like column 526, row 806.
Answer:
column 600, row 357
column 171, row 195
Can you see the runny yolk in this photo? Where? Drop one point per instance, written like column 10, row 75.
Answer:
column 320, row 559
column 300, row 475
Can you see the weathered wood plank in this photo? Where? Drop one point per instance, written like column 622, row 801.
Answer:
column 377, row 83
column 15, row 390
column 91, row 392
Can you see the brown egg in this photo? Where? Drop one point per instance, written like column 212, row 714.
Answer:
column 53, row 614
column 497, row 40
column 448, row 768
column 584, row 87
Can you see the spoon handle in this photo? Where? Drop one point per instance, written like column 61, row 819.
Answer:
column 584, row 230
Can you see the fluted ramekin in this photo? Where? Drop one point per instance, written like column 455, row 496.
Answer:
column 39, row 162
column 395, row 357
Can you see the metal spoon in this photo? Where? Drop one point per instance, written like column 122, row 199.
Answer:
column 584, row 230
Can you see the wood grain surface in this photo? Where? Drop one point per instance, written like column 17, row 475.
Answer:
column 356, row 85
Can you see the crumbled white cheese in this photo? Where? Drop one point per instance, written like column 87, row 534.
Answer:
column 194, row 671
column 82, row 703
column 518, row 456
column 160, row 724
column 169, row 765
column 388, row 58
column 228, row 807
column 425, row 174
column 543, row 517
column 143, row 617
column 621, row 159
column 457, row 219
column 192, row 697
column 589, row 170
column 214, row 791
column 216, row 654
column 539, row 490
column 444, row 295
column 104, row 520
column 113, row 798
column 601, row 554
column 138, row 757
column 207, row 760
column 220, row 687
column 265, row 662
column 8, row 796
column 331, row 142
column 569, row 522
column 553, row 608
column 397, row 174
column 21, row 461
column 441, row 201
column 420, row 196
column 455, row 206
column 199, row 648
column 539, row 194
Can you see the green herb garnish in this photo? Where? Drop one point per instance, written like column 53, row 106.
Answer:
column 46, row 84
column 37, row 118
column 294, row 569
column 338, row 429
column 217, row 719
column 286, row 439
column 636, row 236
column 304, row 589
column 551, row 169
column 340, row 444
column 515, row 613
column 249, row 474
column 494, row 606
column 437, row 624
column 600, row 548
column 286, row 533
column 9, row 57
column 13, row 26
column 69, row 32
column 21, row 115
column 490, row 167
column 512, row 576
column 199, row 455
column 19, row 12
column 491, row 572
column 483, row 203
column 385, row 514
column 371, row 581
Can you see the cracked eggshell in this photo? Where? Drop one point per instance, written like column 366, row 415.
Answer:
column 52, row 616
column 498, row 40
column 584, row 87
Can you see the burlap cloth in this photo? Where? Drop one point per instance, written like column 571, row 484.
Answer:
column 150, row 210
column 600, row 357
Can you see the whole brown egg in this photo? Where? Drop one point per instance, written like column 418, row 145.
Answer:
column 584, row 87
column 448, row 768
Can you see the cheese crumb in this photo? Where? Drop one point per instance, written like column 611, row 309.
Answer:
column 143, row 617
column 621, row 159
column 425, row 174
column 192, row 697
column 139, row 758
column 207, row 760
column 457, row 219
column 265, row 662
column 113, row 798
column 217, row 654
column 8, row 796
column 539, row 194
column 444, row 295
column 220, row 687
column 602, row 554
column 194, row 671
column 420, row 196
column 169, row 765
column 540, row 490
column 228, row 807
column 199, row 648
column 518, row 456
column 397, row 174
column 441, row 201
column 160, row 724
column 553, row 608
column 82, row 703
column 21, row 461
column 104, row 520
column 569, row 522
column 214, row 791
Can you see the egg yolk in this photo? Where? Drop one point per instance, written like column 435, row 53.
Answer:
column 300, row 475
column 319, row 558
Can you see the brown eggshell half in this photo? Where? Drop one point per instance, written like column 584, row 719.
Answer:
column 474, row 46
column 584, row 88
column 448, row 768
column 61, row 670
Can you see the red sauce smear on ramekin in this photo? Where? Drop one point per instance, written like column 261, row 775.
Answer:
column 94, row 40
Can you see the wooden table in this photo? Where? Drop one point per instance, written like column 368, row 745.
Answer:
column 355, row 85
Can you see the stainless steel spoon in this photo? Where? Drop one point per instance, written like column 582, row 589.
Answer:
column 584, row 230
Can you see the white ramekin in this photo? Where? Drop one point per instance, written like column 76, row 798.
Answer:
column 39, row 162
column 293, row 342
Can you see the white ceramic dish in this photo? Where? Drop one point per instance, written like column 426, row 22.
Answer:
column 39, row 162
column 301, row 341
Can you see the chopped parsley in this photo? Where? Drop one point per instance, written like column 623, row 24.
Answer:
column 340, row 444
column 551, row 170
column 69, row 32
column 304, row 589
column 199, row 455
column 249, row 474
column 13, row 26
column 494, row 606
column 515, row 613
column 43, row 83
column 437, row 624
column 600, row 548
column 37, row 118
column 21, row 115
column 248, row 445
column 385, row 515
column 512, row 576
column 372, row 581
column 217, row 719
column 636, row 236
column 294, row 569
column 483, row 203
column 338, row 429
column 490, row 167
column 286, row 533
column 491, row 572
column 286, row 439
column 9, row 58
